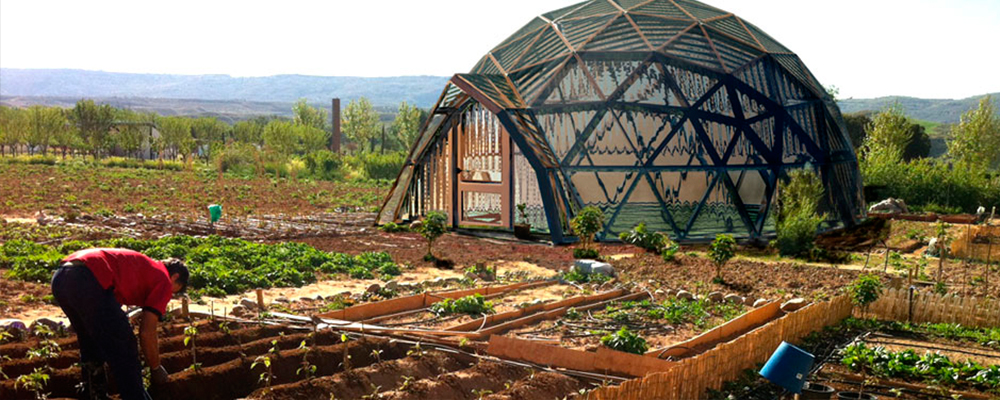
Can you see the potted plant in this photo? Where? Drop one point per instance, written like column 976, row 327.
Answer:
column 522, row 230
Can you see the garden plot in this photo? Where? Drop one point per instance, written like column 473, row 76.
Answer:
column 660, row 324
column 461, row 311
column 226, row 360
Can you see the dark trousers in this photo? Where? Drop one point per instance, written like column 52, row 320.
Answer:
column 102, row 328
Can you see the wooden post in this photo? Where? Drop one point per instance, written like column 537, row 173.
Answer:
column 184, row 307
column 260, row 302
column 335, row 125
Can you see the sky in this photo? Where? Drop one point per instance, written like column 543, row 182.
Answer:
column 867, row 48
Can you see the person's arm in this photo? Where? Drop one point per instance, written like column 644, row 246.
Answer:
column 147, row 339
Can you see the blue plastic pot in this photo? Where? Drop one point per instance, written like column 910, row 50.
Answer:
column 788, row 367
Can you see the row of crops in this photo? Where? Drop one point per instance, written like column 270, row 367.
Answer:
column 218, row 265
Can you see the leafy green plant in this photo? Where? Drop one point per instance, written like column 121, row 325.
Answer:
column 933, row 367
column 625, row 340
column 722, row 249
column 266, row 361
column 474, row 304
column 586, row 224
column 641, row 237
column 306, row 368
column 669, row 252
column 34, row 382
column 576, row 276
column 431, row 228
column 865, row 290
column 799, row 220
column 392, row 227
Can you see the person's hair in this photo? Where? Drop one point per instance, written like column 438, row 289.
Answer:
column 176, row 266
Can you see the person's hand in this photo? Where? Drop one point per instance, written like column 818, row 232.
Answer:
column 159, row 376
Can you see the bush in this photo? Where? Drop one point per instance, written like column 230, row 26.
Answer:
column 392, row 227
column 799, row 221
column 720, row 251
column 669, row 252
column 585, row 253
column 431, row 228
column 382, row 166
column 625, row 340
column 641, row 237
column 324, row 165
column 586, row 224
column 865, row 290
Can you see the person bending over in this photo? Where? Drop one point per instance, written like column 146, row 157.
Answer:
column 91, row 286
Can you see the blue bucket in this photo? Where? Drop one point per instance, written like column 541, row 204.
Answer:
column 788, row 367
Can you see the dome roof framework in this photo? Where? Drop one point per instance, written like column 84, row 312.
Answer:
column 668, row 112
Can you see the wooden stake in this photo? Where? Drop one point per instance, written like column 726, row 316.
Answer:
column 184, row 308
column 260, row 300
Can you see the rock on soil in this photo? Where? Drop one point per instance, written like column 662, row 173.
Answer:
column 734, row 298
column 793, row 304
column 593, row 267
column 715, row 297
column 759, row 302
column 685, row 295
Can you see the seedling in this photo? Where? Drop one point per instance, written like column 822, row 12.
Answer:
column 265, row 360
column 35, row 382
column 405, row 386
column 306, row 369
column 346, row 355
column 377, row 355
column 226, row 330
column 190, row 334
column 481, row 393
column 471, row 305
column 416, row 352
column 374, row 393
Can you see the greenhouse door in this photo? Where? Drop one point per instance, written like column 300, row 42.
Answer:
column 483, row 189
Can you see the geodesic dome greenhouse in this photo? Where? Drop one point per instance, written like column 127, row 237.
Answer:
column 668, row 112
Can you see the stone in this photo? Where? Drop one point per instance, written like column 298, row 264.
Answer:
column 248, row 304
column 281, row 299
column 452, row 280
column 933, row 249
column 374, row 288
column 319, row 297
column 715, row 297
column 749, row 301
column 238, row 311
column 671, row 292
column 416, row 225
column 890, row 205
column 793, row 304
column 759, row 303
column 471, row 276
column 392, row 286
column 12, row 324
column 684, row 294
column 345, row 294
column 307, row 299
column 593, row 266
column 659, row 293
column 733, row 298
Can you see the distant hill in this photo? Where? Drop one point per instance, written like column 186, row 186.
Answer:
column 944, row 111
column 420, row 90
column 232, row 98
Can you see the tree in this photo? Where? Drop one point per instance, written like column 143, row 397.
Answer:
column 586, row 224
column 175, row 133
column 857, row 124
column 307, row 115
column 361, row 122
column 406, row 126
column 311, row 138
column 720, row 251
column 94, row 123
column 280, row 138
column 251, row 131
column 976, row 139
column 13, row 128
column 68, row 136
column 43, row 125
column 431, row 228
column 918, row 145
column 865, row 290
column 882, row 152
column 208, row 130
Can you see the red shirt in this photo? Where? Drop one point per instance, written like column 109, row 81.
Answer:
column 137, row 279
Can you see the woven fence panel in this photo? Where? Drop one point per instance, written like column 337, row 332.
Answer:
column 925, row 306
column 691, row 377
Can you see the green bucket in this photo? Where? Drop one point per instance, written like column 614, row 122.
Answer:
column 214, row 212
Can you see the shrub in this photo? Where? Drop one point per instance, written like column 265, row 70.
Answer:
column 865, row 290
column 324, row 165
column 382, row 166
column 720, row 251
column 431, row 228
column 586, row 224
column 390, row 270
column 641, row 237
column 582, row 253
column 669, row 252
column 625, row 340
column 392, row 227
column 799, row 220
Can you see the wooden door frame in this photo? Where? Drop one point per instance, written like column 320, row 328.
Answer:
column 505, row 188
